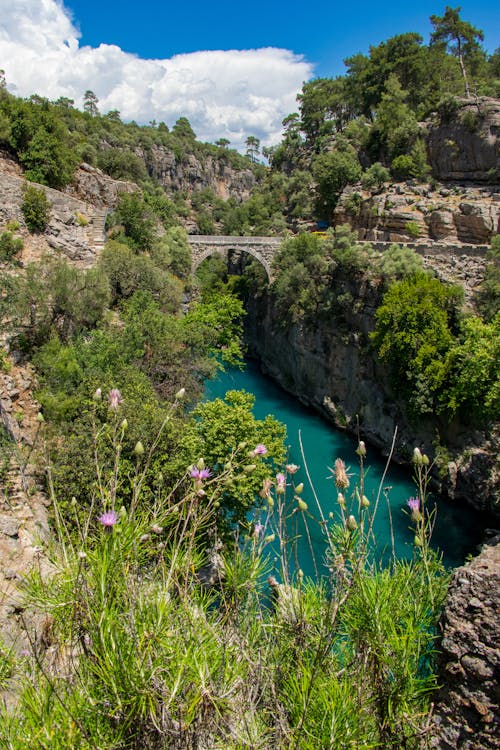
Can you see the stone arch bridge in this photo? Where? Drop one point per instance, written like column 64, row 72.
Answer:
column 262, row 249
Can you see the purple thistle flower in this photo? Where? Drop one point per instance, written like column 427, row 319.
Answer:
column 199, row 473
column 280, row 483
column 258, row 529
column 414, row 504
column 259, row 450
column 115, row 399
column 108, row 519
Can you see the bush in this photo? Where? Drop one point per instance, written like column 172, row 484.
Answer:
column 399, row 261
column 10, row 246
column 35, row 208
column 412, row 228
column 375, row 176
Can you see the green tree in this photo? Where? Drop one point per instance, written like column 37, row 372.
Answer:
column 252, row 143
column 460, row 36
column 324, row 108
column 415, row 329
column 182, row 129
column 35, row 208
column 90, row 102
column 134, row 215
column 333, row 171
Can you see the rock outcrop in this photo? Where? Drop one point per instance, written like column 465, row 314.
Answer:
column 190, row 173
column 408, row 212
column 466, row 714
column 463, row 146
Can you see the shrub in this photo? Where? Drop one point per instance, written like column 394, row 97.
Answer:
column 35, row 208
column 10, row 246
column 412, row 228
column 399, row 261
column 375, row 176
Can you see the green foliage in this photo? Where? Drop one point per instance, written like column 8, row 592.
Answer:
column 134, row 216
column 488, row 297
column 333, row 171
column 122, row 165
column 128, row 271
column 415, row 329
column 399, row 261
column 53, row 293
column 412, row 228
column 10, row 246
column 375, row 176
column 35, row 208
column 474, row 362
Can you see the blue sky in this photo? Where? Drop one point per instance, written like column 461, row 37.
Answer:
column 232, row 69
column 324, row 32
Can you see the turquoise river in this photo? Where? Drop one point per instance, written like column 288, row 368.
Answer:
column 456, row 531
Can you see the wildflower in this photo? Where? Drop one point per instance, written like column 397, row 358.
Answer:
column 257, row 530
column 200, row 474
column 414, row 506
column 266, row 488
column 352, row 524
column 115, row 399
column 259, row 450
column 156, row 529
column 361, row 449
column 292, row 468
column 108, row 519
column 341, row 478
column 97, row 394
column 417, row 457
column 280, row 483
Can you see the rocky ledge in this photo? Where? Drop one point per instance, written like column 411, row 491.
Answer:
column 467, row 715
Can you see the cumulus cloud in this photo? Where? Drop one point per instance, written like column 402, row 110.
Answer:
column 224, row 94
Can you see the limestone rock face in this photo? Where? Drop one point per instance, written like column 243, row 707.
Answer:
column 408, row 212
column 466, row 714
column 191, row 174
column 466, row 147
column 95, row 187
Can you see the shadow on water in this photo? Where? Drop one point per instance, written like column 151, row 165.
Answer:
column 456, row 533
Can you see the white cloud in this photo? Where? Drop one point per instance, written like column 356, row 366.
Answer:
column 230, row 94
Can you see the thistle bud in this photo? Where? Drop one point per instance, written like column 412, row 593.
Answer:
column 352, row 524
column 242, row 446
column 302, row 505
column 270, row 502
column 365, row 502
column 228, row 466
column 39, row 417
column 418, row 540
column 299, row 488
column 200, row 464
column 341, row 500
column 180, row 394
column 139, row 448
column 124, row 424
column 73, row 502
column 249, row 468
column 425, row 459
column 361, row 449
column 300, row 574
column 97, row 394
column 270, row 538
column 417, row 457
column 156, row 529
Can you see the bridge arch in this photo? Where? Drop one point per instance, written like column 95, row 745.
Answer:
column 262, row 249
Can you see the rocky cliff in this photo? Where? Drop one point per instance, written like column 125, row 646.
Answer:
column 462, row 144
column 408, row 212
column 466, row 714
column 191, row 173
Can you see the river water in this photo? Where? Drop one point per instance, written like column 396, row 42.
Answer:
column 456, row 532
